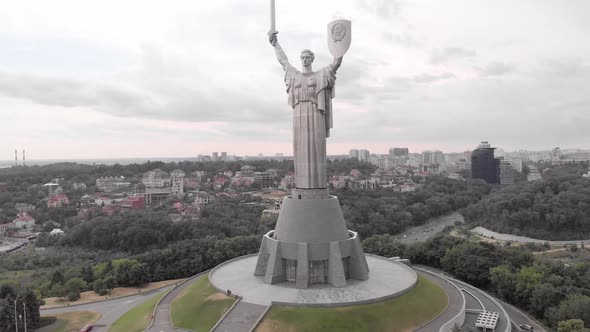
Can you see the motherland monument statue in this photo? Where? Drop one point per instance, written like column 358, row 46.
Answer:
column 311, row 244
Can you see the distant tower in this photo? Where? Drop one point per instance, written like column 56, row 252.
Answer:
column 484, row 165
column 24, row 157
column 15, row 158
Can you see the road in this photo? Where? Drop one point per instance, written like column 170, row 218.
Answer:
column 454, row 307
column 429, row 229
column 516, row 316
column 111, row 310
column 515, row 238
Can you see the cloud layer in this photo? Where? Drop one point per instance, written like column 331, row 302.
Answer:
column 150, row 79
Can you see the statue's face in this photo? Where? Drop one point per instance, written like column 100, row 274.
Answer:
column 306, row 59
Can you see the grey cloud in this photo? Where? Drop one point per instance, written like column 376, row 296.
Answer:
column 386, row 9
column 182, row 103
column 48, row 91
column 496, row 69
column 438, row 57
column 428, row 78
column 566, row 67
column 402, row 39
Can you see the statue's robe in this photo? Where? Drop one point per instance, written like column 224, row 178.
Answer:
column 310, row 95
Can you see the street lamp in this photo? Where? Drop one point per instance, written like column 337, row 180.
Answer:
column 17, row 316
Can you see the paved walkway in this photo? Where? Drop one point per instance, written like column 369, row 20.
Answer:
column 162, row 322
column 455, row 303
column 241, row 318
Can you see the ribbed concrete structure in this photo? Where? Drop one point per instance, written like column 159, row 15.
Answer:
column 311, row 244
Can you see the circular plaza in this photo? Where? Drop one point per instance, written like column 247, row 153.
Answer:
column 387, row 279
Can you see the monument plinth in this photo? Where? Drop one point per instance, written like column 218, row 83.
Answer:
column 311, row 244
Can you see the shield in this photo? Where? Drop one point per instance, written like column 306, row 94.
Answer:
column 339, row 37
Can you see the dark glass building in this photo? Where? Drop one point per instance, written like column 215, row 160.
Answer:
column 484, row 165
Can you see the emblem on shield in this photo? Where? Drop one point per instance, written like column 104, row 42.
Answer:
column 339, row 37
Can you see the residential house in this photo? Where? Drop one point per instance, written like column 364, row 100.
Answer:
column 58, row 201
column 24, row 221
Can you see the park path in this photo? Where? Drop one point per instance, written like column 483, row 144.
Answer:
column 241, row 318
column 161, row 320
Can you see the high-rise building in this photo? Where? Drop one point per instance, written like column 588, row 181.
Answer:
column 177, row 177
column 214, row 156
column 484, row 165
column 364, row 155
column 438, row 157
column 507, row 172
column 399, row 152
column 223, row 156
column 353, row 153
column 427, row 157
column 555, row 156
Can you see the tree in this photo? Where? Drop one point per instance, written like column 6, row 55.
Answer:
column 87, row 274
column 504, row 281
column 544, row 296
column 98, row 285
column 471, row 261
column 138, row 275
column 575, row 306
column 384, row 245
column 109, row 283
column 57, row 277
column 570, row 325
column 73, row 287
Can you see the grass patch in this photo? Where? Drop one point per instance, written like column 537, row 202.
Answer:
column 71, row 321
column 138, row 318
column 199, row 306
column 405, row 313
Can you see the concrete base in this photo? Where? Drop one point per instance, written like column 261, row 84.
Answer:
column 388, row 279
column 311, row 244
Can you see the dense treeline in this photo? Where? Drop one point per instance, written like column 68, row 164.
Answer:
column 384, row 211
column 554, row 208
column 141, row 230
column 552, row 291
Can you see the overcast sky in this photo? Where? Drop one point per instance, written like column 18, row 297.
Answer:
column 91, row 79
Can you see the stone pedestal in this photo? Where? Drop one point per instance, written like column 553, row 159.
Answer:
column 311, row 244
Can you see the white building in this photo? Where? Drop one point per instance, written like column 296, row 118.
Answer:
column 56, row 231
column 24, row 221
column 177, row 177
column 156, row 178
column 109, row 183
column 202, row 198
column 100, row 201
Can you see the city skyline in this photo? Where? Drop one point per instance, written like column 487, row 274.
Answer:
column 165, row 85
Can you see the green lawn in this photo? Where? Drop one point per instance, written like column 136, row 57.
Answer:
column 138, row 318
column 199, row 306
column 405, row 313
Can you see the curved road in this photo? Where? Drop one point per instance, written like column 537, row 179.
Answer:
column 111, row 310
column 454, row 307
column 516, row 316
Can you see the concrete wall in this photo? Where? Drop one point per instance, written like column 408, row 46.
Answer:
column 310, row 221
column 273, row 251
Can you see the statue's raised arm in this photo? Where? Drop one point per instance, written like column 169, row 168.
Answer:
column 336, row 63
column 281, row 56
